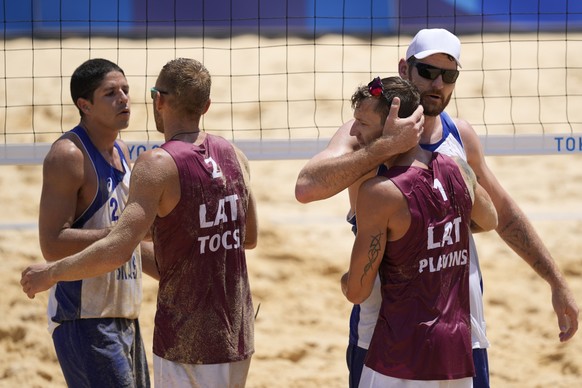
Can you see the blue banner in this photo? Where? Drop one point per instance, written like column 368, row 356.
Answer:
column 146, row 18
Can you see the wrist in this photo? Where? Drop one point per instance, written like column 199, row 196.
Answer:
column 556, row 283
column 53, row 272
column 382, row 149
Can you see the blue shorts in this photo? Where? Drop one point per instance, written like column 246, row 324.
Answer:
column 481, row 362
column 102, row 352
column 355, row 357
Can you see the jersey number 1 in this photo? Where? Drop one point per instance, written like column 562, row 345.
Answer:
column 439, row 186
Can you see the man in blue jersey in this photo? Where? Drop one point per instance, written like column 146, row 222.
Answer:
column 431, row 64
column 194, row 193
column 86, row 175
column 413, row 228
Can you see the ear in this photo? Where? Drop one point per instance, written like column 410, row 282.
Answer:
column 84, row 105
column 403, row 68
column 207, row 106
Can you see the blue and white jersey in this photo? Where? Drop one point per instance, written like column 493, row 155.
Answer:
column 116, row 294
column 363, row 317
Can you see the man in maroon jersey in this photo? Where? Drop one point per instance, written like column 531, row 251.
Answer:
column 413, row 229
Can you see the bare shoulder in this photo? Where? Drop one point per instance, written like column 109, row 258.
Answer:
column 153, row 166
column 65, row 160
column 380, row 191
column 470, row 139
column 65, row 149
column 242, row 158
column 466, row 170
column 244, row 164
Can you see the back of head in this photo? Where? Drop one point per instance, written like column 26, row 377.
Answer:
column 385, row 90
column 187, row 83
column 431, row 41
column 88, row 77
column 403, row 89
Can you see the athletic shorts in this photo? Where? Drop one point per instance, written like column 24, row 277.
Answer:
column 373, row 379
column 355, row 357
column 169, row 374
column 101, row 352
column 481, row 363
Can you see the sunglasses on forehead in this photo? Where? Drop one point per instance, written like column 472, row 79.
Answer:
column 431, row 72
column 376, row 88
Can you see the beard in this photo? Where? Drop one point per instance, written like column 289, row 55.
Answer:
column 431, row 106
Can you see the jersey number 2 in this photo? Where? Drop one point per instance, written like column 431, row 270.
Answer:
column 216, row 172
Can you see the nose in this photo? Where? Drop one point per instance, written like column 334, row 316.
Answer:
column 124, row 96
column 354, row 129
column 438, row 82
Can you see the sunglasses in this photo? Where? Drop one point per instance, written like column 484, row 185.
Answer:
column 431, row 72
column 376, row 88
column 154, row 91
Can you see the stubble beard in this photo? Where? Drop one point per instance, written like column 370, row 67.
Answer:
column 431, row 108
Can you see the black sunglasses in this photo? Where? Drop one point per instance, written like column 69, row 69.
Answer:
column 154, row 91
column 431, row 72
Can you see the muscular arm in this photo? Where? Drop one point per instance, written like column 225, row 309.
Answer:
column 483, row 213
column 148, row 184
column 343, row 162
column 370, row 242
column 518, row 233
column 63, row 187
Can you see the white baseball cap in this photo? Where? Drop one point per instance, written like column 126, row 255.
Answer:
column 431, row 41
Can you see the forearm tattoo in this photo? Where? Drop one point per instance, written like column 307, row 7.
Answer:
column 520, row 240
column 372, row 255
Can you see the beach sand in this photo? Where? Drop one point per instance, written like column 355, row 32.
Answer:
column 302, row 325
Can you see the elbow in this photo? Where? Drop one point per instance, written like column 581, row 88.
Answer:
column 354, row 292
column 484, row 226
column 305, row 193
column 302, row 193
column 355, row 296
column 50, row 252
column 250, row 244
column 492, row 221
column 49, row 257
column 306, row 190
column 251, row 236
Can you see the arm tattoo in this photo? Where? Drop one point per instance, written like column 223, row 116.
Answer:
column 372, row 255
column 471, row 177
column 518, row 238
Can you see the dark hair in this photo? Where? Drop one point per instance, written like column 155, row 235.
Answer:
column 393, row 87
column 188, row 83
column 88, row 76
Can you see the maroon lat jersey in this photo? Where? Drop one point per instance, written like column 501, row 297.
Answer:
column 423, row 330
column 204, row 310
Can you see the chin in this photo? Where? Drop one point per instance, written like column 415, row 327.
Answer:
column 432, row 110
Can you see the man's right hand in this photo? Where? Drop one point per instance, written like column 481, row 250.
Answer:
column 402, row 133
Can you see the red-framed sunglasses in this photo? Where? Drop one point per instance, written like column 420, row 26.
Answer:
column 376, row 88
